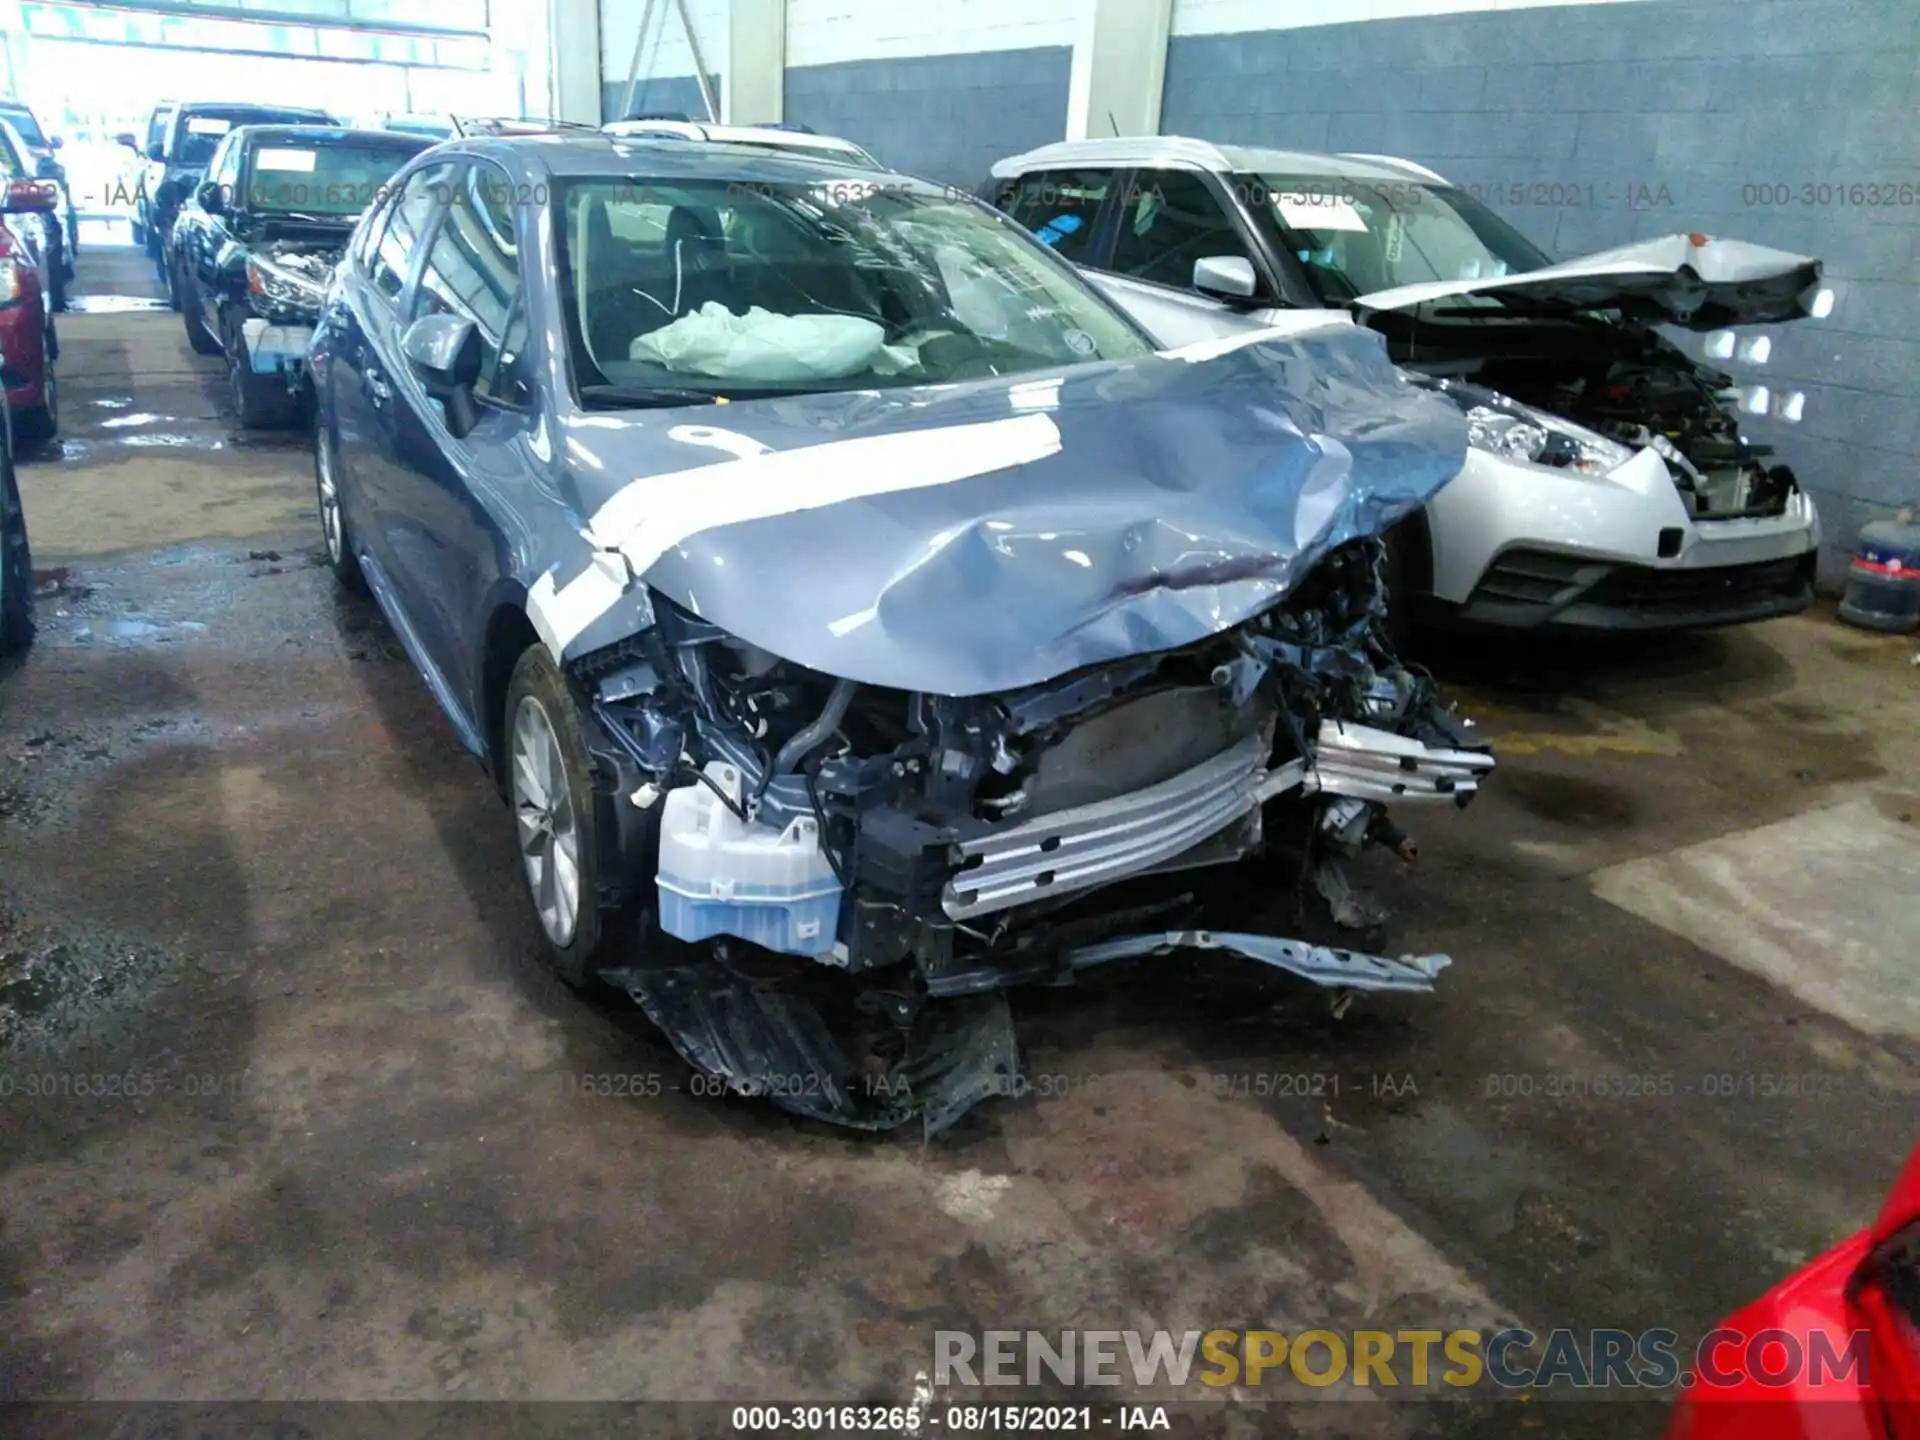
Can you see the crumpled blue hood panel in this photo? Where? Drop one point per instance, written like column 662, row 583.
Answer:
column 1182, row 497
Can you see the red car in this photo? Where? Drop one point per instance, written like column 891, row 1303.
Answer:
column 28, row 345
column 1830, row 1353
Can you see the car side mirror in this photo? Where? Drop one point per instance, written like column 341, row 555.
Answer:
column 156, row 153
column 444, row 351
column 211, row 198
column 1226, row 277
column 56, row 143
column 125, row 137
column 30, row 197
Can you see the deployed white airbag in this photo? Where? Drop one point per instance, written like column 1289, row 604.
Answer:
column 761, row 345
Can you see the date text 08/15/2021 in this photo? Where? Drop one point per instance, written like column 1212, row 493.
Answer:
column 953, row 1419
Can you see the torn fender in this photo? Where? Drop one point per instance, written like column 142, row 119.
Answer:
column 975, row 538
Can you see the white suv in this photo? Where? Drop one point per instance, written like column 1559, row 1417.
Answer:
column 1608, row 485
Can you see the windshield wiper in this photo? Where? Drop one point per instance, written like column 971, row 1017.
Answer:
column 645, row 397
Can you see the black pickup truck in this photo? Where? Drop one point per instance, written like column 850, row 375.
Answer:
column 257, row 244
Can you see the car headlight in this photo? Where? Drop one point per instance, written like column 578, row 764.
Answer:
column 1504, row 427
column 288, row 289
column 12, row 287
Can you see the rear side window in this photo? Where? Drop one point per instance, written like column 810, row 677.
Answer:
column 1171, row 219
column 1059, row 207
column 393, row 259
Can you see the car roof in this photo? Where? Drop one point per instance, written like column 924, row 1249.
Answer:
column 742, row 134
column 1183, row 151
column 244, row 107
column 587, row 154
column 330, row 135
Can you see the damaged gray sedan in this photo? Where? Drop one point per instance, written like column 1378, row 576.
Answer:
column 859, row 615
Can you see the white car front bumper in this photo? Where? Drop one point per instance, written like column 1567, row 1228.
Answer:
column 1521, row 546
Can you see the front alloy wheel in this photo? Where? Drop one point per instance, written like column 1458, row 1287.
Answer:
column 547, row 777
column 333, row 524
column 543, row 810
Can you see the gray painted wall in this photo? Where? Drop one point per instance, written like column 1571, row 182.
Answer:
column 672, row 92
column 945, row 118
column 1704, row 99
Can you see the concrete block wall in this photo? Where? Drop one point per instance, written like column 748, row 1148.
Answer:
column 937, row 91
column 1590, row 125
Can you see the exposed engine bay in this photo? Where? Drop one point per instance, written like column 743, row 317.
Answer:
column 927, row 852
column 287, row 278
column 1630, row 384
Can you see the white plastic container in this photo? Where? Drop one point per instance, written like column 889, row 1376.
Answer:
column 721, row 875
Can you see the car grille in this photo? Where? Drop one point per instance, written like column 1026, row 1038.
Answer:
column 1685, row 592
column 1539, row 577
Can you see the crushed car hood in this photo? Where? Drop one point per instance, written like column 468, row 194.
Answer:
column 1687, row 280
column 973, row 538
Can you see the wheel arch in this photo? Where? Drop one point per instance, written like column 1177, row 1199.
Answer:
column 508, row 636
column 1412, row 541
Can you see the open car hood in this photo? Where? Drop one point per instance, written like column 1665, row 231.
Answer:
column 973, row 538
column 1687, row 280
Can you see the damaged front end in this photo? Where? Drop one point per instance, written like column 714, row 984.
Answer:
column 287, row 284
column 928, row 852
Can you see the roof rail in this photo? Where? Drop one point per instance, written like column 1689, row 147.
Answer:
column 467, row 125
column 1404, row 164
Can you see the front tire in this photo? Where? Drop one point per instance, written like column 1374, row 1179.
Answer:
column 38, row 425
column 202, row 339
column 16, row 567
column 263, row 402
column 549, row 785
column 333, row 516
column 59, row 272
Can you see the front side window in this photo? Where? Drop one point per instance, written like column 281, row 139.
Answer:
column 795, row 287
column 1169, row 220
column 157, row 128
column 1355, row 237
column 331, row 180
column 391, row 263
column 473, row 271
column 1059, row 207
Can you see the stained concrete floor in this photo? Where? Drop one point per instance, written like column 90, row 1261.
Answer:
column 356, row 1144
